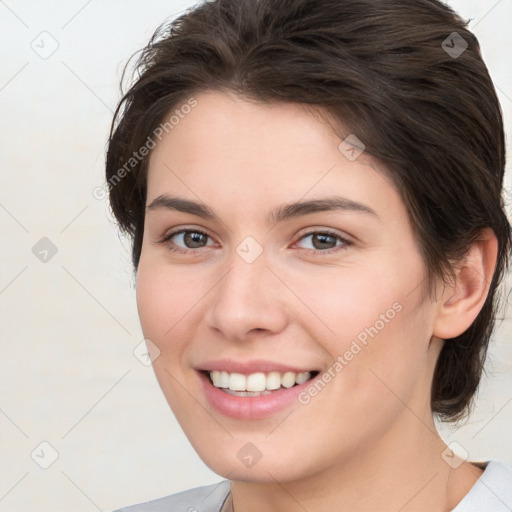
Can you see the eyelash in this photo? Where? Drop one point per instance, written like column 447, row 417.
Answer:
column 166, row 240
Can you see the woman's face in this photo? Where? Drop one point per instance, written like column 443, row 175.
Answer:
column 289, row 254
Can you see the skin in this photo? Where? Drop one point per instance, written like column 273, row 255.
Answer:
column 371, row 427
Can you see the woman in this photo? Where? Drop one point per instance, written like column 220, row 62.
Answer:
column 313, row 189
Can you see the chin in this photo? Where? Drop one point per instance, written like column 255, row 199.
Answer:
column 240, row 459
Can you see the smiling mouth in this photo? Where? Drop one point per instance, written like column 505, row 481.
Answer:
column 258, row 383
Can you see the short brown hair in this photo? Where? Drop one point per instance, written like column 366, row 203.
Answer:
column 383, row 68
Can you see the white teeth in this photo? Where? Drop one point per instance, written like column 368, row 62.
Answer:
column 288, row 379
column 237, row 382
column 256, row 383
column 215, row 376
column 302, row 377
column 247, row 393
column 224, row 380
column 273, row 380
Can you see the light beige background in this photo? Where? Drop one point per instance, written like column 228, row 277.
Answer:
column 69, row 326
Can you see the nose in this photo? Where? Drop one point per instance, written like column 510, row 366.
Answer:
column 249, row 299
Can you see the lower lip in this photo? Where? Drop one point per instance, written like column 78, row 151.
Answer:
column 250, row 407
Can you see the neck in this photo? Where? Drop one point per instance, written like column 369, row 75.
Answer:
column 403, row 471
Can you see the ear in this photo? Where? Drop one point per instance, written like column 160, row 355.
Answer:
column 463, row 299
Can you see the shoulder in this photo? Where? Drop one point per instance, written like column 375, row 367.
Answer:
column 208, row 498
column 492, row 492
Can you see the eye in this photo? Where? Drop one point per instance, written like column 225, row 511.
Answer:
column 189, row 241
column 186, row 241
column 324, row 241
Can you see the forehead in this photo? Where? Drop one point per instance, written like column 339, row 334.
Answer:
column 262, row 153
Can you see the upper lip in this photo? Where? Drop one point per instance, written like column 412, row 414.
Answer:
column 248, row 367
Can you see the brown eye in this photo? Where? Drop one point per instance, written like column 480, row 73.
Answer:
column 324, row 241
column 194, row 239
column 186, row 240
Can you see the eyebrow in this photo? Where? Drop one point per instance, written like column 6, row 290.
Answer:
column 283, row 212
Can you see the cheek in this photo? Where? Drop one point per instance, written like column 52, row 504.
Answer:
column 165, row 297
column 151, row 294
column 372, row 323
column 165, row 302
column 348, row 303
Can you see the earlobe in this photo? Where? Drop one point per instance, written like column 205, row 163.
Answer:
column 463, row 299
